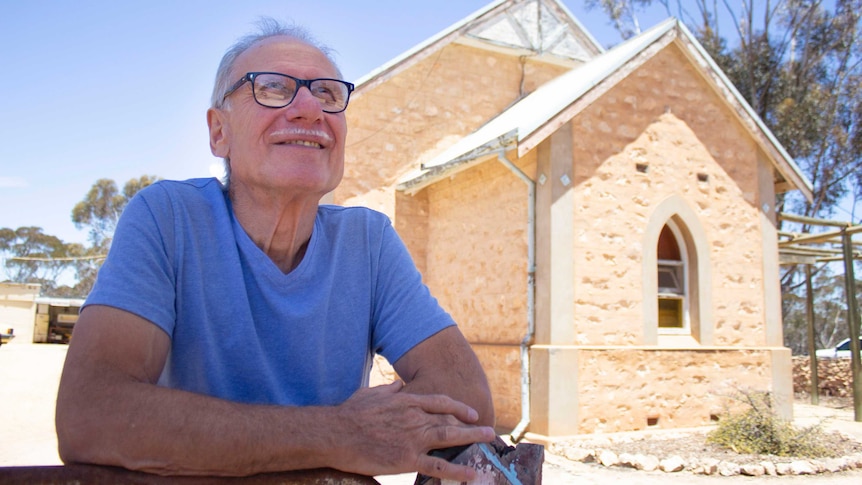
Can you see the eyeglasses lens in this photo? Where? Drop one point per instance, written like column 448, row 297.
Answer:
column 276, row 91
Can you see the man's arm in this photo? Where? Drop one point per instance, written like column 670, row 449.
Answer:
column 446, row 364
column 110, row 411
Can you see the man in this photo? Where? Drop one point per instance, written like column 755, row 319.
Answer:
column 231, row 329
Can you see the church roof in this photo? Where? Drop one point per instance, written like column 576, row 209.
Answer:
column 535, row 117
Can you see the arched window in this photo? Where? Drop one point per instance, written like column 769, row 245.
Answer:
column 677, row 279
column 673, row 294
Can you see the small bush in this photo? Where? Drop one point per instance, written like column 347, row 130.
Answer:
column 759, row 431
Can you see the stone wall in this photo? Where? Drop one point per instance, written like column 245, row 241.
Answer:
column 417, row 113
column 833, row 376
column 477, row 268
column 664, row 117
column 625, row 390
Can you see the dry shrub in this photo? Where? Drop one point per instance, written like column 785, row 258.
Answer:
column 759, row 430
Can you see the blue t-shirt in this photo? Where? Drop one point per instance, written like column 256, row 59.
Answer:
column 241, row 329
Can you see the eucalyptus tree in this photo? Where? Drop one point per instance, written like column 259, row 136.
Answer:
column 31, row 256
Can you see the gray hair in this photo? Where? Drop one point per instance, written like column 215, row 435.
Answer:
column 266, row 27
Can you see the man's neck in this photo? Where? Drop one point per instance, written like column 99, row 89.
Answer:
column 280, row 226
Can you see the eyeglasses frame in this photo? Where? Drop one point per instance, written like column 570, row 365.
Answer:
column 249, row 77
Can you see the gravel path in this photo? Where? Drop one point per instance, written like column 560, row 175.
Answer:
column 29, row 375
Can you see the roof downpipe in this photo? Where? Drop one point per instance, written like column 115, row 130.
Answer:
column 518, row 433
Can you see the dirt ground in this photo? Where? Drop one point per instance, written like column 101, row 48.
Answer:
column 29, row 375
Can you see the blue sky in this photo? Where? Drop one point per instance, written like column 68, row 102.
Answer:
column 117, row 89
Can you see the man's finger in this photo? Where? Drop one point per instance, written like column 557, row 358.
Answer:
column 440, row 468
column 440, row 404
column 447, row 435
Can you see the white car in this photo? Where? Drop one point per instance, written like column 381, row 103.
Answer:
column 841, row 351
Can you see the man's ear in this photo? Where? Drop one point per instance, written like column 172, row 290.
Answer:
column 218, row 133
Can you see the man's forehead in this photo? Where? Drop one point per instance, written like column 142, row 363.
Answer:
column 282, row 48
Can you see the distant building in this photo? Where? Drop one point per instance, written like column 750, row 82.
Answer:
column 601, row 224
column 18, row 309
column 36, row 319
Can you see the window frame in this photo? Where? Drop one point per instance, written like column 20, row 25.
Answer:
column 681, row 271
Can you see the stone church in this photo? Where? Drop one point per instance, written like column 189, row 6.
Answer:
column 601, row 223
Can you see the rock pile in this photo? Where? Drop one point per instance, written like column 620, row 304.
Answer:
column 834, row 376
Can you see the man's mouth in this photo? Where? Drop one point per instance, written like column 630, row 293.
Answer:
column 300, row 137
column 304, row 143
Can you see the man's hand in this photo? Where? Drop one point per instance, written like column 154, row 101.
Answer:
column 387, row 431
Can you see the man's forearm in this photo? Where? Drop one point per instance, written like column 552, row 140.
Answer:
column 476, row 395
column 446, row 364
column 144, row 427
column 110, row 411
column 377, row 431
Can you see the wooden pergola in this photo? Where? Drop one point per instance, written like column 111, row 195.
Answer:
column 829, row 246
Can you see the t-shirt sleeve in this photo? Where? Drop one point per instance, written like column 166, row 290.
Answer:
column 405, row 312
column 138, row 274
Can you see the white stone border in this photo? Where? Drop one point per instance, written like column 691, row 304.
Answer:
column 587, row 452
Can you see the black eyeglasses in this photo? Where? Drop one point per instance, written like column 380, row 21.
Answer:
column 276, row 90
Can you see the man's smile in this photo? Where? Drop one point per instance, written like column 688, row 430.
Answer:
column 301, row 137
column 301, row 142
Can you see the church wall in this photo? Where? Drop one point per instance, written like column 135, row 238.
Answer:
column 417, row 113
column 665, row 119
column 477, row 268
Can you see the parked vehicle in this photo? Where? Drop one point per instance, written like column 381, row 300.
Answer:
column 840, row 351
column 6, row 337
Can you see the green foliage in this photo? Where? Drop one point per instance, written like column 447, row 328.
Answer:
column 31, row 256
column 101, row 208
column 759, row 430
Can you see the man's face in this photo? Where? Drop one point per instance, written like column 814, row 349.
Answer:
column 298, row 147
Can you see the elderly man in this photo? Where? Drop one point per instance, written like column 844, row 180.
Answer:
column 232, row 326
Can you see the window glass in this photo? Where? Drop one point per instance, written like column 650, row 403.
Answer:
column 672, row 304
column 670, row 313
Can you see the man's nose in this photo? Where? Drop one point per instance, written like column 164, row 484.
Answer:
column 305, row 105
